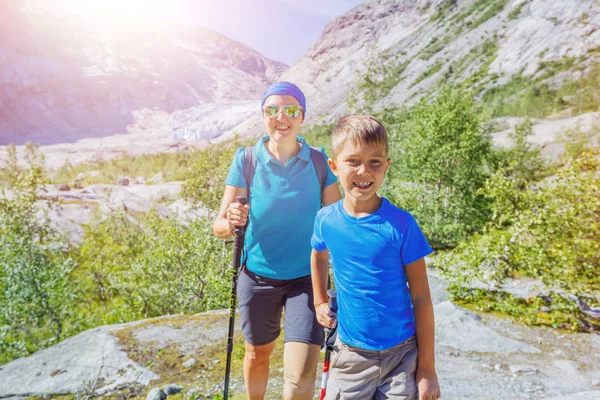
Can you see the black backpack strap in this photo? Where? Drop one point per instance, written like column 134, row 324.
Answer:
column 318, row 159
column 249, row 166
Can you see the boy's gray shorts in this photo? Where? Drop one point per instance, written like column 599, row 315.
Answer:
column 261, row 302
column 367, row 374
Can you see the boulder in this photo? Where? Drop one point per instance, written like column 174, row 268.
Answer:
column 123, row 181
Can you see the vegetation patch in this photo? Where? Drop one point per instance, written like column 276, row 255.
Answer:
column 516, row 11
column 208, row 373
column 435, row 68
column 523, row 96
column 443, row 10
column 493, row 9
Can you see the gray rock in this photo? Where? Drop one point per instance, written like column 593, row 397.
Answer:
column 82, row 358
column 461, row 329
column 156, row 394
column 157, row 179
column 594, row 395
column 190, row 363
column 192, row 391
column 522, row 369
column 172, row 389
column 123, row 181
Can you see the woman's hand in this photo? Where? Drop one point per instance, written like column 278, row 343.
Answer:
column 237, row 214
column 231, row 213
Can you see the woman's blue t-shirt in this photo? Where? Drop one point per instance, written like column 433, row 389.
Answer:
column 284, row 200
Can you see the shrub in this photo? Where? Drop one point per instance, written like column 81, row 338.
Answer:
column 36, row 293
column 440, row 157
column 548, row 231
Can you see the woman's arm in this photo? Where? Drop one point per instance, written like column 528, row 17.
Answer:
column 231, row 213
column 331, row 194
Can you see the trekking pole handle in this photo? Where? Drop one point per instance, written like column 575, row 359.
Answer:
column 332, row 299
column 239, row 230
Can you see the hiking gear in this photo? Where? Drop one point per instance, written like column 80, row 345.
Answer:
column 331, row 335
column 318, row 160
column 289, row 111
column 237, row 255
column 285, row 89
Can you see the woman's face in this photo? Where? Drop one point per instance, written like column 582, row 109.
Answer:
column 283, row 127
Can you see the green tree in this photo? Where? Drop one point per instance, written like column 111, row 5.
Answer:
column 36, row 293
column 207, row 178
column 440, row 159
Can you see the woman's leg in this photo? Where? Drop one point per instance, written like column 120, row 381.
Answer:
column 256, row 369
column 300, row 369
column 303, row 340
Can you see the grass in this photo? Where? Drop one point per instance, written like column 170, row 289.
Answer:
column 173, row 166
column 166, row 362
column 431, row 71
column 443, row 10
column 527, row 97
column 515, row 12
column 495, row 8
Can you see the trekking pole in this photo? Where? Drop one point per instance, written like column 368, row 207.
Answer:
column 331, row 294
column 237, row 254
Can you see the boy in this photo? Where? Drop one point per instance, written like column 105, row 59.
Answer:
column 385, row 314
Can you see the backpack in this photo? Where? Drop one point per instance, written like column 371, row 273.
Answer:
column 318, row 160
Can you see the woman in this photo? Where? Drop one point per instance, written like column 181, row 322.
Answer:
column 284, row 197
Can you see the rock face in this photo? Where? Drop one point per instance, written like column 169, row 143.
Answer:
column 63, row 80
column 411, row 46
column 480, row 357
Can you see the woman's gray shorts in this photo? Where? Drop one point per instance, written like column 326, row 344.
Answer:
column 261, row 302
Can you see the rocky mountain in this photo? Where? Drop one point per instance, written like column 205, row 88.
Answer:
column 405, row 49
column 62, row 80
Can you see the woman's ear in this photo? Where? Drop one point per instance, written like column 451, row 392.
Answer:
column 333, row 166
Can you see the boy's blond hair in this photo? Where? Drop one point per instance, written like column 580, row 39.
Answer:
column 359, row 128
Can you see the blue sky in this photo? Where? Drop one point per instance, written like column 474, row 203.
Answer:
column 278, row 29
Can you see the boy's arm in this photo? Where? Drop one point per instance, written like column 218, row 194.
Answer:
column 319, row 274
column 427, row 381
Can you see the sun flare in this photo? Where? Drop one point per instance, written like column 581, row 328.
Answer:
column 116, row 11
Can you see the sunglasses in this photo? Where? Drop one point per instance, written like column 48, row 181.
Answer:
column 288, row 111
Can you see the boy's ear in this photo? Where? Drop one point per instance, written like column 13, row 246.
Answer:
column 332, row 165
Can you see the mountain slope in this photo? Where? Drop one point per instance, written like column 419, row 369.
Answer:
column 391, row 52
column 62, row 80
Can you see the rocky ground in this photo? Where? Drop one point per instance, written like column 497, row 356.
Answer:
column 478, row 357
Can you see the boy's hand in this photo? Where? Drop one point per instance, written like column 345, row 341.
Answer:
column 325, row 316
column 428, row 386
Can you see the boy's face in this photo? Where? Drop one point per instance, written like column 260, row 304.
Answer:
column 360, row 169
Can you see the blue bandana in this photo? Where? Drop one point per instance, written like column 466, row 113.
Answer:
column 285, row 88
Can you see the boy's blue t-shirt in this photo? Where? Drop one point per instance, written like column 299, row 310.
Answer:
column 284, row 200
column 369, row 254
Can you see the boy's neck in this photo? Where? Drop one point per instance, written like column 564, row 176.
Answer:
column 362, row 208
